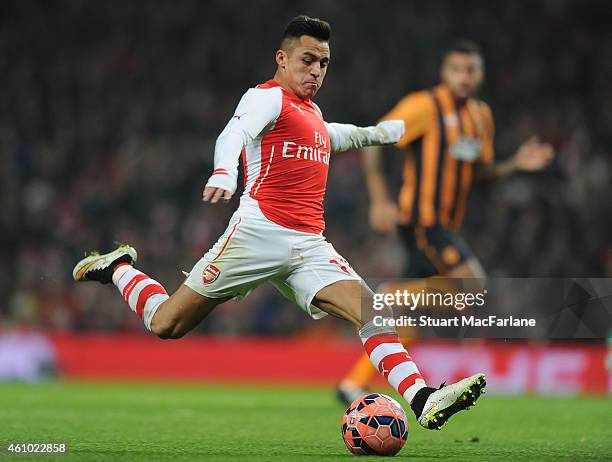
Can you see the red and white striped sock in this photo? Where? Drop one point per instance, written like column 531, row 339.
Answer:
column 389, row 356
column 143, row 294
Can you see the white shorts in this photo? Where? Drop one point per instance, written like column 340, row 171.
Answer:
column 253, row 250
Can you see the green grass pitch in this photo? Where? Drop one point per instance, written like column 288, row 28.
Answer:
column 148, row 422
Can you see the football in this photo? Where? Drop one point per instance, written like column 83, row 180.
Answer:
column 375, row 424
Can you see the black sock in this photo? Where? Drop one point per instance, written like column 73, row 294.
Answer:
column 418, row 402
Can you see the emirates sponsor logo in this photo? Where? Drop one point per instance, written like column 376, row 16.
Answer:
column 211, row 273
column 317, row 153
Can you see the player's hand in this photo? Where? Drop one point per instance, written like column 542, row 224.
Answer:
column 383, row 217
column 213, row 195
column 533, row 155
column 394, row 130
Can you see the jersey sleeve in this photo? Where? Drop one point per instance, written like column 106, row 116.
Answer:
column 344, row 137
column 257, row 112
column 488, row 152
column 416, row 110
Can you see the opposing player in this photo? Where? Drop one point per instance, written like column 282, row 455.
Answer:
column 275, row 235
column 449, row 141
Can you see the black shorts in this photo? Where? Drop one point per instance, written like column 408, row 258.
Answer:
column 432, row 251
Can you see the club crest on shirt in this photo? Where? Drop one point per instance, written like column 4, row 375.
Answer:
column 211, row 273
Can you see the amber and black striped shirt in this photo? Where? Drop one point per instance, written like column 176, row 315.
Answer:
column 445, row 140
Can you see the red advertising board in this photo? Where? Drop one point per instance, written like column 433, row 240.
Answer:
column 513, row 367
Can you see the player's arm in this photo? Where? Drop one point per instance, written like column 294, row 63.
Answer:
column 383, row 213
column 257, row 110
column 415, row 111
column 344, row 137
column 531, row 156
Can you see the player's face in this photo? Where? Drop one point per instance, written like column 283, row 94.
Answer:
column 304, row 65
column 462, row 73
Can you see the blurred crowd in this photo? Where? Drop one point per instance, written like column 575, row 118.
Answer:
column 110, row 111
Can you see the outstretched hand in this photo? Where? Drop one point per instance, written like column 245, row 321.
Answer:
column 533, row 155
column 213, row 195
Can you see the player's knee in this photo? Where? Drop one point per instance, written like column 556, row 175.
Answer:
column 165, row 329
column 160, row 330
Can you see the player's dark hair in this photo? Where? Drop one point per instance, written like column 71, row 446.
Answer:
column 463, row 46
column 305, row 25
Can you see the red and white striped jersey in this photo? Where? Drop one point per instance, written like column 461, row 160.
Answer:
column 286, row 164
column 286, row 146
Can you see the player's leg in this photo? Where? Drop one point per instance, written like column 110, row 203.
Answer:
column 356, row 382
column 430, row 252
column 417, row 266
column 321, row 281
column 353, row 301
column 470, row 268
column 247, row 254
column 183, row 311
column 167, row 316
